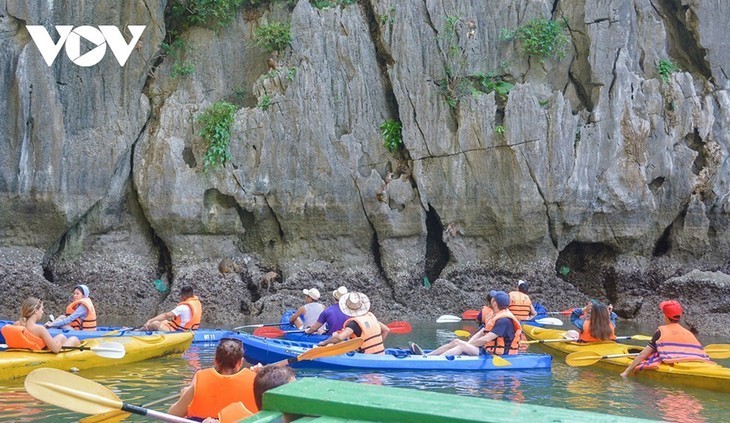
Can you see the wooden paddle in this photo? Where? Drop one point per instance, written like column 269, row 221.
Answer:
column 75, row 393
column 586, row 358
column 397, row 328
column 113, row 350
column 119, row 415
column 547, row 341
column 326, row 351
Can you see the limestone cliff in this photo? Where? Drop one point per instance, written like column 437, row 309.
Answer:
column 603, row 173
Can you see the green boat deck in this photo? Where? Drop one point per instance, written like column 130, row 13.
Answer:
column 322, row 400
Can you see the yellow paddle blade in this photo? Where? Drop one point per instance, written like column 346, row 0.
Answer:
column 640, row 337
column 108, row 417
column 718, row 351
column 499, row 361
column 462, row 333
column 330, row 350
column 71, row 392
column 583, row 358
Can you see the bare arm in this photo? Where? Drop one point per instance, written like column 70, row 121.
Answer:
column 533, row 312
column 339, row 337
column 51, row 343
column 482, row 340
column 384, row 331
column 180, row 408
column 313, row 328
column 298, row 313
column 643, row 355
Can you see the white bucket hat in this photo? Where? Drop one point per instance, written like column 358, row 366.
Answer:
column 339, row 292
column 355, row 304
column 314, row 293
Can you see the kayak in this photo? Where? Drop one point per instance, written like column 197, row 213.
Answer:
column 200, row 335
column 296, row 335
column 18, row 363
column 710, row 376
column 266, row 351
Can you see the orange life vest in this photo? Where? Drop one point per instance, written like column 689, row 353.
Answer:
column 487, row 314
column 234, row 412
column 214, row 391
column 371, row 334
column 586, row 336
column 89, row 322
column 196, row 312
column 17, row 336
column 520, row 305
column 497, row 346
column 675, row 344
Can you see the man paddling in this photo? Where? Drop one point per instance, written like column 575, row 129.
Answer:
column 671, row 343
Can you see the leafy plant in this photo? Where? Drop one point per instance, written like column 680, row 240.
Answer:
column 182, row 69
column 324, row 4
column 264, row 102
column 541, row 38
column 666, row 68
column 215, row 128
column 499, row 130
column 392, row 137
column 490, row 82
column 215, row 13
column 273, row 37
column 291, row 73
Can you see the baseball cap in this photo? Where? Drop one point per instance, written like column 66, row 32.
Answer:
column 672, row 309
column 501, row 298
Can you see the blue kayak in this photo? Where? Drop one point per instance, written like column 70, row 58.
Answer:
column 266, row 351
column 292, row 334
column 200, row 335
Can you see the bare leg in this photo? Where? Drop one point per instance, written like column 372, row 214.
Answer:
column 153, row 326
column 72, row 342
column 298, row 323
column 440, row 350
column 165, row 326
column 463, row 348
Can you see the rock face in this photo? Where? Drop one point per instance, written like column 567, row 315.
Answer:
column 600, row 174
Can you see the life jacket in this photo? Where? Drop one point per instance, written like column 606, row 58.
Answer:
column 196, row 312
column 17, row 336
column 497, row 346
column 234, row 412
column 89, row 322
column 586, row 336
column 214, row 391
column 675, row 344
column 487, row 314
column 520, row 305
column 372, row 338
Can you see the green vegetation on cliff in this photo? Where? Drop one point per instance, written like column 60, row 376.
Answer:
column 216, row 123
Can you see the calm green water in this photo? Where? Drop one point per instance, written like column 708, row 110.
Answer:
column 583, row 388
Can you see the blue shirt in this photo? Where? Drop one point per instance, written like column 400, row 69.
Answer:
column 80, row 313
column 333, row 317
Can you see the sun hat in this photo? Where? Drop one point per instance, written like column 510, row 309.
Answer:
column 501, row 298
column 339, row 292
column 672, row 309
column 313, row 292
column 354, row 304
column 523, row 286
column 84, row 289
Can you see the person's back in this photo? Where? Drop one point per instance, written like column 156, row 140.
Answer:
column 334, row 318
column 520, row 303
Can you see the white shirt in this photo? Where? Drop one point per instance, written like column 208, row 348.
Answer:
column 184, row 313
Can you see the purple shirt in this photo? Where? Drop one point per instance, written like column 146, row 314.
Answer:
column 334, row 317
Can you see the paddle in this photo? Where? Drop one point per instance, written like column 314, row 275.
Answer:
column 547, row 341
column 119, row 415
column 552, row 321
column 586, row 358
column 470, row 314
column 105, row 349
column 260, row 325
column 398, row 328
column 564, row 312
column 462, row 333
column 448, row 318
column 326, row 351
column 75, row 393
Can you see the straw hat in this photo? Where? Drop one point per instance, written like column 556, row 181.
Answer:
column 354, row 304
column 339, row 292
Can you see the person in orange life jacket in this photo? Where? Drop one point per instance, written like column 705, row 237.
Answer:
column 214, row 388
column 671, row 343
column 595, row 322
column 520, row 303
column 361, row 324
column 80, row 314
column 27, row 333
column 268, row 377
column 186, row 316
column 332, row 316
column 308, row 314
column 500, row 335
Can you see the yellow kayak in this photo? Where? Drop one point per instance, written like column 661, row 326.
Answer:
column 697, row 374
column 18, row 363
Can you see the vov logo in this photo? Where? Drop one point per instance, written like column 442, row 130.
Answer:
column 71, row 37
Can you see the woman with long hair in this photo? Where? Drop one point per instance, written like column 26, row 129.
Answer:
column 596, row 322
column 28, row 334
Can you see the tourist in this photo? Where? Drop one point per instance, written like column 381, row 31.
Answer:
column 332, row 316
column 26, row 333
column 595, row 322
column 308, row 314
column 186, row 316
column 80, row 314
column 361, row 324
column 520, row 303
